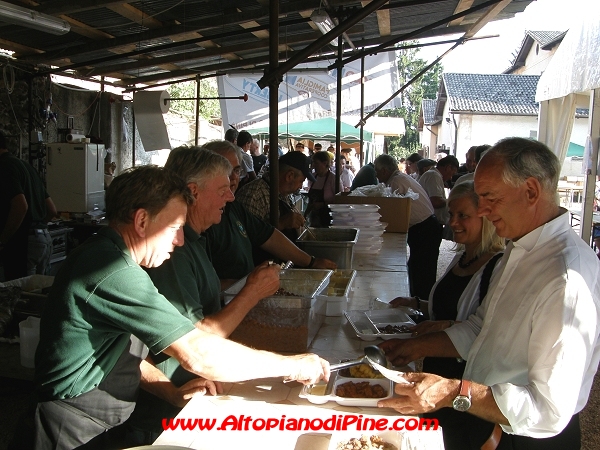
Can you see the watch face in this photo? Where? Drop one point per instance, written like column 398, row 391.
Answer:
column 461, row 403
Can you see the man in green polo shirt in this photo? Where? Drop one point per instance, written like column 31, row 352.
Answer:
column 191, row 284
column 87, row 364
column 239, row 234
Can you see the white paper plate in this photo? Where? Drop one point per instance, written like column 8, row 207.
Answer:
column 388, row 385
column 366, row 322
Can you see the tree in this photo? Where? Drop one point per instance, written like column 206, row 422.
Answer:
column 409, row 65
column 187, row 89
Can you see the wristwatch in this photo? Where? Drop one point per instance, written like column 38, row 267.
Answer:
column 462, row 402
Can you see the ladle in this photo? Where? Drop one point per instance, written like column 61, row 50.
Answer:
column 377, row 360
column 372, row 353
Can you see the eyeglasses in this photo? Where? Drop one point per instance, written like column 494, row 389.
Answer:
column 236, row 171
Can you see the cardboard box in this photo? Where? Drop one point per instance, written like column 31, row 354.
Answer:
column 394, row 211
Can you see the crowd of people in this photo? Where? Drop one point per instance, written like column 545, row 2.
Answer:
column 510, row 344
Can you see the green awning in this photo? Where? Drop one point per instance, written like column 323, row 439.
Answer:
column 320, row 129
column 575, row 150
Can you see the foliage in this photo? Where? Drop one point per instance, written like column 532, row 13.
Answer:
column 409, row 65
column 187, row 89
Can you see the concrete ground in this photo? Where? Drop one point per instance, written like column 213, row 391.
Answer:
column 590, row 416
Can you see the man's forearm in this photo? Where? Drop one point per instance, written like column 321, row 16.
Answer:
column 156, row 382
column 215, row 358
column 281, row 247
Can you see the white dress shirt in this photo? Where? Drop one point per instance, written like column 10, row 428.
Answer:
column 534, row 340
column 433, row 183
column 421, row 208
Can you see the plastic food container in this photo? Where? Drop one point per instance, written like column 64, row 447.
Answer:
column 284, row 323
column 367, row 324
column 337, row 291
column 315, row 394
column 336, row 244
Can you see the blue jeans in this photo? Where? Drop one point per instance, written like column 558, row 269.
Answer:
column 39, row 249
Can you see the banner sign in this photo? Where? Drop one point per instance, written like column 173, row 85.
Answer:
column 309, row 92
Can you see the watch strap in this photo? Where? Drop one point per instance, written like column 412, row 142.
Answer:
column 465, row 388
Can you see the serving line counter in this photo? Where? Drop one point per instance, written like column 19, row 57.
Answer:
column 382, row 274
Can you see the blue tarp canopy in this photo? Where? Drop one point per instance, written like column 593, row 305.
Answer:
column 319, row 129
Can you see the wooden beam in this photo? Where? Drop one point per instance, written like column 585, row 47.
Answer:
column 19, row 49
column 172, row 30
column 223, row 51
column 85, row 30
column 135, row 15
column 54, row 7
column 383, row 20
column 462, row 6
column 488, row 16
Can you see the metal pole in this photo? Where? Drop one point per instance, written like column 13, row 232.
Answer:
column 301, row 55
column 197, row 110
column 362, row 108
column 133, row 134
column 273, row 110
column 338, row 117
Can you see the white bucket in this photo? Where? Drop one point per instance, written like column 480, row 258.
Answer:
column 29, row 332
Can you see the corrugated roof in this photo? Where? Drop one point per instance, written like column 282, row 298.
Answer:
column 148, row 41
column 492, row 93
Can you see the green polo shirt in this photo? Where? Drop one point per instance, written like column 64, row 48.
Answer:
column 191, row 284
column 100, row 297
column 231, row 242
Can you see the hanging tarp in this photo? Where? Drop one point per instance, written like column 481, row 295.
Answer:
column 308, row 92
column 574, row 67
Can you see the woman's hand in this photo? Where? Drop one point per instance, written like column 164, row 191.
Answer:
column 411, row 302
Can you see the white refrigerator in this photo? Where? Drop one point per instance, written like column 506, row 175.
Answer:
column 75, row 176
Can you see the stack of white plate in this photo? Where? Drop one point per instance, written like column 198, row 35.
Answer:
column 364, row 217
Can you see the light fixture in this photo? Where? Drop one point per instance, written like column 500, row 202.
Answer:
column 323, row 22
column 32, row 19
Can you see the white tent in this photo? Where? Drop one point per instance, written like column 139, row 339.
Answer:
column 572, row 80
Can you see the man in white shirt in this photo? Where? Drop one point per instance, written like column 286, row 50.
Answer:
column 532, row 346
column 433, row 181
column 424, row 231
column 346, row 176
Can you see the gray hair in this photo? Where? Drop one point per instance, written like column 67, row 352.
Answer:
column 524, row 158
column 197, row 164
column 385, row 162
column 490, row 241
column 222, row 147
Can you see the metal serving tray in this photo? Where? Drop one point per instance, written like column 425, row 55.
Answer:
column 336, row 244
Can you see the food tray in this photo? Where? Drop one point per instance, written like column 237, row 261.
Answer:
column 306, row 283
column 394, row 438
column 337, row 291
column 335, row 381
column 366, row 323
